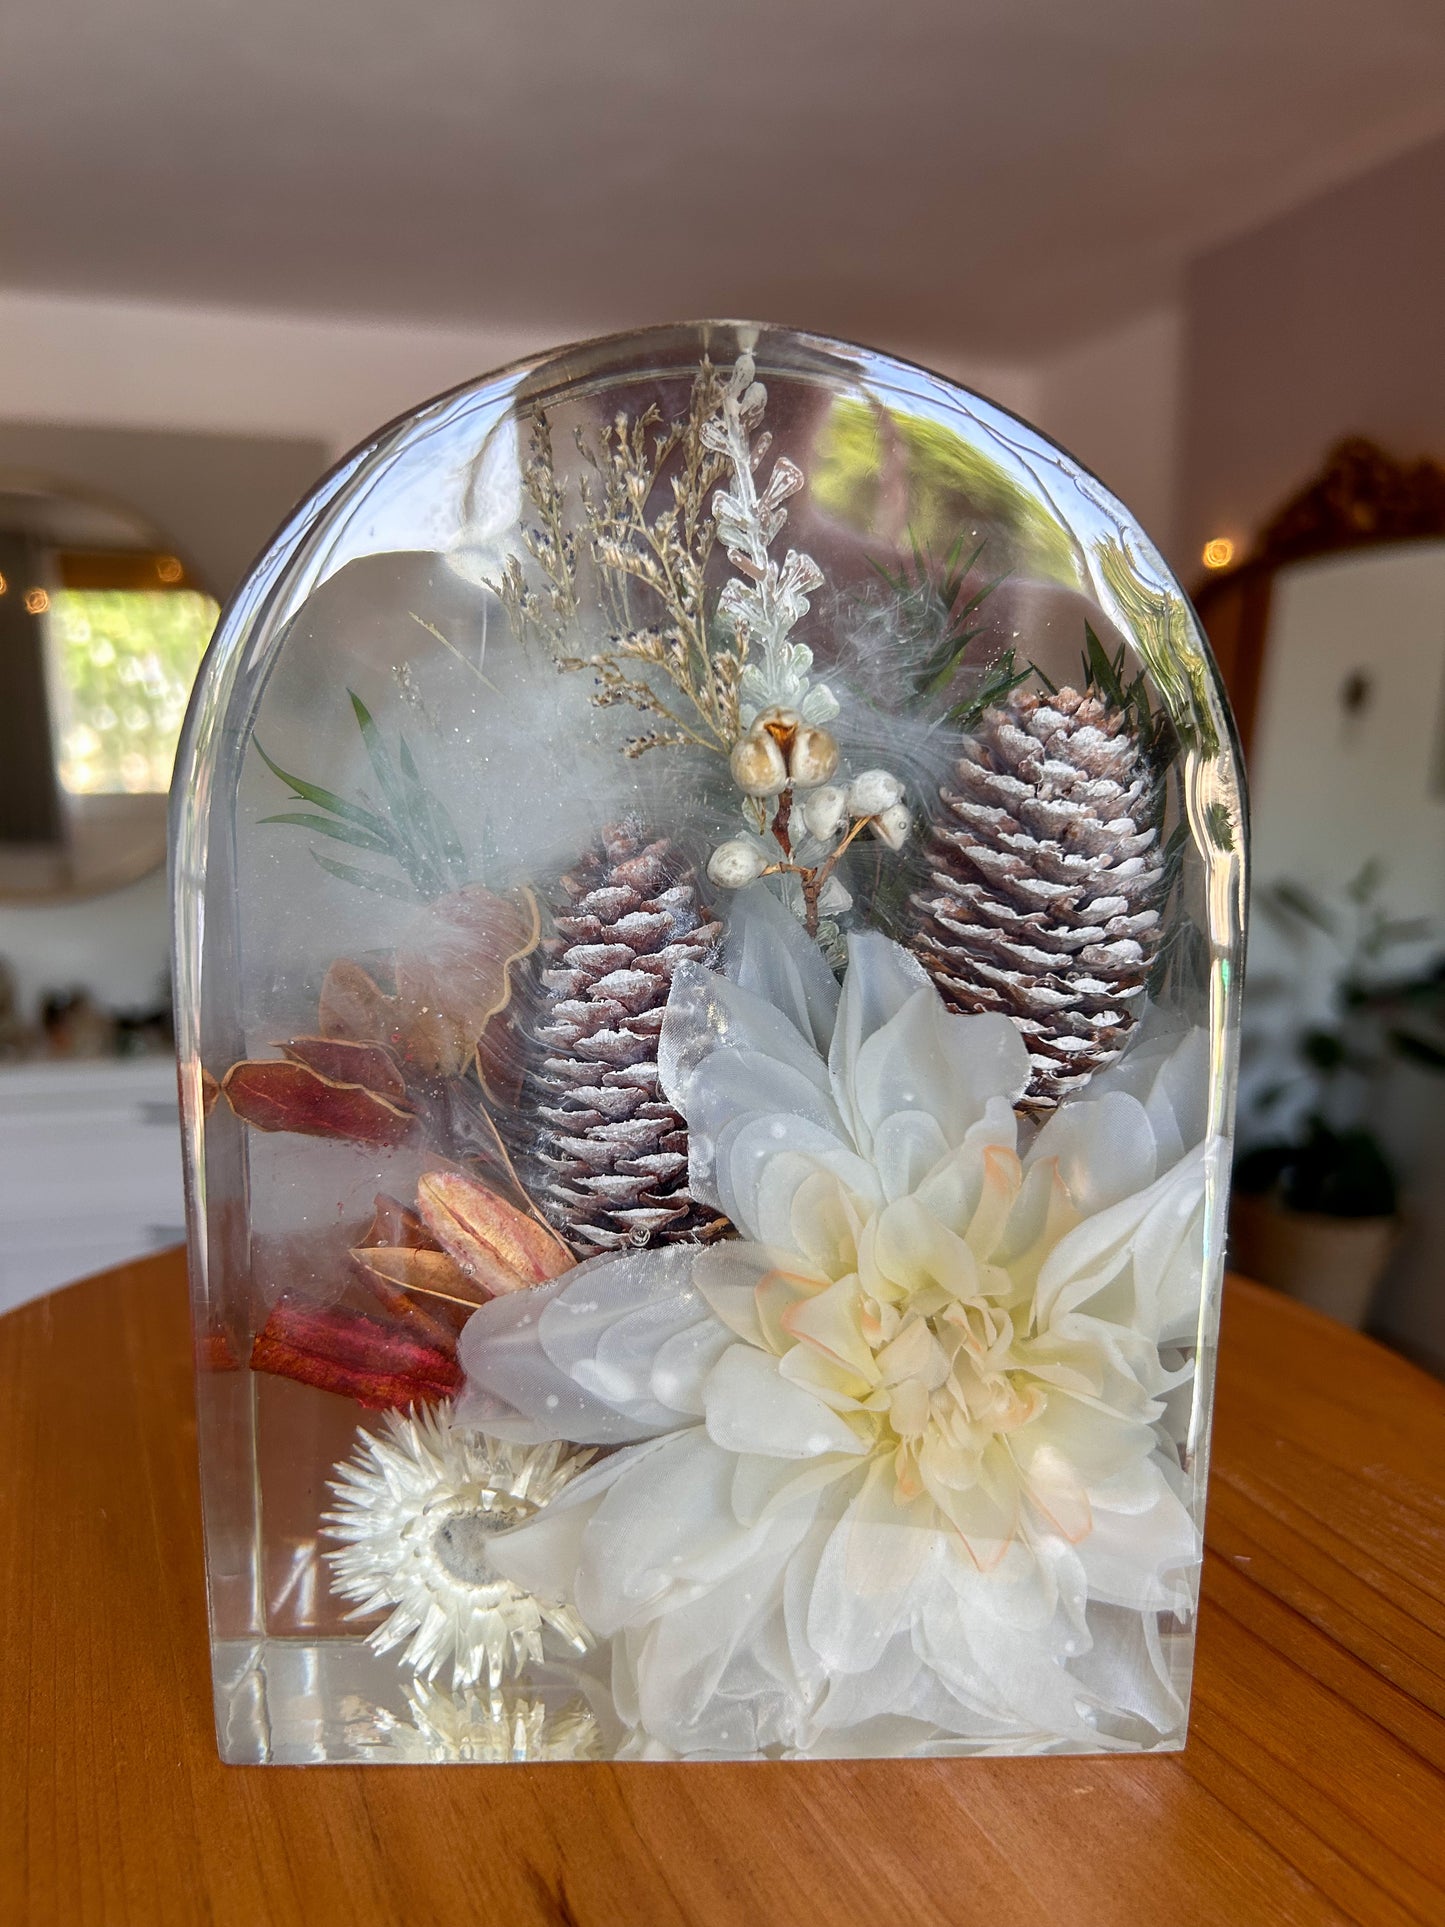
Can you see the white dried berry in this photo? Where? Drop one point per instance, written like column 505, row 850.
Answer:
column 873, row 792
column 891, row 826
column 825, row 812
column 737, row 862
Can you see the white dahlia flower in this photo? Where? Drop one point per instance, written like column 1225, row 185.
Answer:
column 899, row 1467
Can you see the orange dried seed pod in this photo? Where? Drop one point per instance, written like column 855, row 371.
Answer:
column 495, row 1244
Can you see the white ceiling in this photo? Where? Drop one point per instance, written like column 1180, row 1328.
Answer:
column 998, row 175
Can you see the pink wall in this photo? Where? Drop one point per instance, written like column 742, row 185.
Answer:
column 1326, row 322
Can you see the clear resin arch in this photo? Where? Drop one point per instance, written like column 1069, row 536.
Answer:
column 709, row 877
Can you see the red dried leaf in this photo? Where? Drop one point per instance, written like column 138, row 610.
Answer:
column 355, row 1007
column 396, row 1257
column 278, row 1095
column 395, row 1223
column 210, row 1093
column 421, row 1290
column 454, row 971
column 343, row 1061
column 441, row 1329
column 501, row 1060
column 214, row 1352
column 355, row 1356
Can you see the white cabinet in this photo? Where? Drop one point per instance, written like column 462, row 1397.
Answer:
column 90, row 1169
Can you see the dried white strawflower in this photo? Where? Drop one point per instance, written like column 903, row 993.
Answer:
column 737, row 862
column 873, row 792
column 419, row 1508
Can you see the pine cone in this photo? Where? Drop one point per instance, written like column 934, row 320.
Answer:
column 611, row 1151
column 1046, row 882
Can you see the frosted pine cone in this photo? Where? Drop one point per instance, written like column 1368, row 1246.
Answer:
column 1045, row 883
column 611, row 1149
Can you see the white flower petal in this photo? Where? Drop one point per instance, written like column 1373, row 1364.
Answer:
column 681, row 1365
column 543, row 1556
column 922, row 1059
column 664, row 1528
column 766, row 951
column 1168, row 1071
column 863, row 1588
column 1105, row 1149
column 762, row 1487
column 762, row 1160
column 1097, row 1256
column 572, row 1359
column 709, row 1018
column 1126, row 1671
column 727, row 1276
column 751, row 1408
column 1143, row 1559
column 882, row 977
column 906, row 1147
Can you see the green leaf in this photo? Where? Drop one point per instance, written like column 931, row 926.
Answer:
column 434, row 830
column 424, row 871
column 998, row 684
column 1221, row 830
column 1363, row 886
column 343, row 832
column 368, row 879
column 414, row 831
column 1419, row 1050
column 1398, row 930
column 1301, row 903
column 324, row 799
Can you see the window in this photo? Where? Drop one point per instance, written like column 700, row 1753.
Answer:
column 122, row 661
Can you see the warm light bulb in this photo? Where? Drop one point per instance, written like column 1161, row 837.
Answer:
column 4, row 585
column 1218, row 552
column 37, row 601
column 168, row 569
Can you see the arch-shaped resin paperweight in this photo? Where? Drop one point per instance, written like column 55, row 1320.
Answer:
column 709, row 873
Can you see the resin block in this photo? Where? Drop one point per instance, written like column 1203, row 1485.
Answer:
column 709, row 893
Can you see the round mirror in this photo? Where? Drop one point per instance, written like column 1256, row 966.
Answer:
column 102, row 629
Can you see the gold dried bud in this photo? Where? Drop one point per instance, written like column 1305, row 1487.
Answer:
column 813, row 757
column 758, row 765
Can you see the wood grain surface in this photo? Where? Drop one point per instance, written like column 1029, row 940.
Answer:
column 1312, row 1789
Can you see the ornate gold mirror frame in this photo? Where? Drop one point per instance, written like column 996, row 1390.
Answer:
column 1363, row 497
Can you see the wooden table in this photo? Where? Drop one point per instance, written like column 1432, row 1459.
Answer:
column 1312, row 1790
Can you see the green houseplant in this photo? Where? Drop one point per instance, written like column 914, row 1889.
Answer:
column 1316, row 1196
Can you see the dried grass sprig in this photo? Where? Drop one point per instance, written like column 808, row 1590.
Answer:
column 650, row 565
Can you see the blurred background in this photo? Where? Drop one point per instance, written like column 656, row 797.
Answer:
column 1201, row 247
